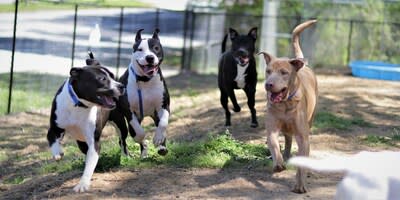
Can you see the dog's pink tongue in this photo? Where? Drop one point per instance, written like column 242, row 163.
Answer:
column 108, row 100
column 276, row 97
column 149, row 69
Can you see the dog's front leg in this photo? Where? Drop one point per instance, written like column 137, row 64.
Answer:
column 224, row 102
column 54, row 137
column 273, row 144
column 232, row 96
column 250, row 93
column 139, row 135
column 159, row 139
column 302, row 139
column 92, row 157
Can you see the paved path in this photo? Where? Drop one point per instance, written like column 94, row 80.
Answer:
column 44, row 39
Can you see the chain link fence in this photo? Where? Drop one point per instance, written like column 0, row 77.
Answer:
column 48, row 43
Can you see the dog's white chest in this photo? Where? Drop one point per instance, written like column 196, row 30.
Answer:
column 75, row 120
column 241, row 75
column 152, row 93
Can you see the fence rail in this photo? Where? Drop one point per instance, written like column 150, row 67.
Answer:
column 45, row 45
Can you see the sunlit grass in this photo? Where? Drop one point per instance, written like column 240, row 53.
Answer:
column 328, row 120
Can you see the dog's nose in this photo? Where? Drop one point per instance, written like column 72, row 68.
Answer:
column 243, row 53
column 150, row 59
column 268, row 86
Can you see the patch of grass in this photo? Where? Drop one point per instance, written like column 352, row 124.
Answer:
column 327, row 120
column 14, row 180
column 3, row 156
column 191, row 92
column 216, row 151
column 376, row 140
column 30, row 91
column 219, row 151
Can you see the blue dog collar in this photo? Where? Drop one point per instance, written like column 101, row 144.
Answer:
column 139, row 91
column 292, row 95
column 73, row 96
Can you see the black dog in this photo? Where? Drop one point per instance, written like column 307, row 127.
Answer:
column 146, row 95
column 237, row 70
column 80, row 108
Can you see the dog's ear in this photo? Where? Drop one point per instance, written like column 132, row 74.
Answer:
column 75, row 71
column 108, row 72
column 138, row 35
column 233, row 33
column 253, row 33
column 267, row 57
column 91, row 60
column 297, row 63
column 155, row 34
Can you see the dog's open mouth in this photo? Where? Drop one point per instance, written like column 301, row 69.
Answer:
column 149, row 69
column 106, row 101
column 277, row 97
column 243, row 60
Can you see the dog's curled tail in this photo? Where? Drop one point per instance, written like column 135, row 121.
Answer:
column 223, row 46
column 296, row 37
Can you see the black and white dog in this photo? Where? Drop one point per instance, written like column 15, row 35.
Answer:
column 237, row 70
column 81, row 108
column 147, row 95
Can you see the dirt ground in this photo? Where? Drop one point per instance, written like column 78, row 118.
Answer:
column 195, row 112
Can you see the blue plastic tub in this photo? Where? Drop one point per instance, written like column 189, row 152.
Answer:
column 375, row 70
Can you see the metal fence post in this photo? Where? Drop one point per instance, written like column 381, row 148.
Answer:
column 185, row 26
column 157, row 18
column 121, row 25
column 349, row 42
column 12, row 58
column 207, row 41
column 193, row 21
column 74, row 36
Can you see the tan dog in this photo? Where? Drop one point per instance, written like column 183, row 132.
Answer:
column 292, row 96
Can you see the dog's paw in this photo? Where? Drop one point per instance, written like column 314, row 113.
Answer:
column 299, row 189
column 278, row 168
column 58, row 156
column 236, row 109
column 159, row 139
column 254, row 124
column 82, row 187
column 143, row 154
column 162, row 150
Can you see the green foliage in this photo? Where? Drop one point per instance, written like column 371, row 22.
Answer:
column 327, row 120
column 30, row 91
column 377, row 140
column 14, row 180
column 217, row 151
column 221, row 151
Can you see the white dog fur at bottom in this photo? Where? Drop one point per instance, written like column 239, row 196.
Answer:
column 369, row 175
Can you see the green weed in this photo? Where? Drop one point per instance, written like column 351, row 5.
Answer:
column 215, row 152
column 327, row 120
column 14, row 180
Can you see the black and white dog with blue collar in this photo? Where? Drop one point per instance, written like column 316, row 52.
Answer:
column 147, row 95
column 81, row 108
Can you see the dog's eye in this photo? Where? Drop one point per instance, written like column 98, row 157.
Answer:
column 139, row 49
column 102, row 78
column 284, row 72
column 156, row 49
column 268, row 71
